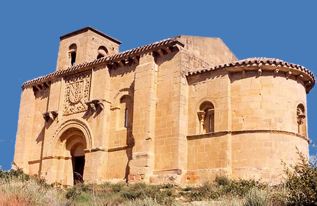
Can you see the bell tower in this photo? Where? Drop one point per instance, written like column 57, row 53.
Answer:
column 84, row 45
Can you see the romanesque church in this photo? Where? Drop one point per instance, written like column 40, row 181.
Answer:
column 181, row 110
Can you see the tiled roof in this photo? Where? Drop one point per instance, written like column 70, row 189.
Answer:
column 259, row 61
column 113, row 58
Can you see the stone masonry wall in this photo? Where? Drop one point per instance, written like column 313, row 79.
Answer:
column 265, row 102
column 209, row 155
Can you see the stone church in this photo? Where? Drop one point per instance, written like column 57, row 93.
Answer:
column 181, row 110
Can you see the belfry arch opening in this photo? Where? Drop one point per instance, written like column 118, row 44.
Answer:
column 72, row 54
column 102, row 52
column 75, row 145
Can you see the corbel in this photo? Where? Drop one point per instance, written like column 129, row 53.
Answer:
column 308, row 83
column 91, row 106
column 168, row 50
column 111, row 65
column 50, row 115
column 159, row 52
column 96, row 105
column 260, row 72
column 288, row 74
column 243, row 73
column 135, row 59
column 121, row 63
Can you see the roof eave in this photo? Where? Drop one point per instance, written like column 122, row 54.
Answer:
column 91, row 29
column 84, row 66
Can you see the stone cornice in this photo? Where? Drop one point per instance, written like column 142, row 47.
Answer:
column 126, row 56
column 266, row 64
column 237, row 132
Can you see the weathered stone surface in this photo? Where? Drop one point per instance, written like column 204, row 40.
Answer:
column 181, row 110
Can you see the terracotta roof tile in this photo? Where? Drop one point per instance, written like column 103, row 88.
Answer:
column 258, row 61
column 116, row 57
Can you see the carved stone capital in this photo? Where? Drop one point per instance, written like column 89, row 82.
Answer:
column 201, row 115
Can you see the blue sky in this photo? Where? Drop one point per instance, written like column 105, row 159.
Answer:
column 30, row 31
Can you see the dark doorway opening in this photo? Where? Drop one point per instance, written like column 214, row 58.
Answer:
column 78, row 169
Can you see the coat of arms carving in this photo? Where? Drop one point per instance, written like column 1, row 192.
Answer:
column 76, row 93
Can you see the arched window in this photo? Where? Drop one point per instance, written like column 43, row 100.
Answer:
column 72, row 54
column 301, row 119
column 126, row 111
column 102, row 52
column 206, row 117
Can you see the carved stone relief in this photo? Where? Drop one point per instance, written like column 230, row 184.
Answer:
column 76, row 93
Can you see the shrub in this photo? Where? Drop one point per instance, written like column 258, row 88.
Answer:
column 277, row 195
column 222, row 180
column 72, row 193
column 163, row 194
column 256, row 197
column 241, row 187
column 117, row 187
column 301, row 182
column 143, row 202
column 119, row 193
column 17, row 174
column 206, row 191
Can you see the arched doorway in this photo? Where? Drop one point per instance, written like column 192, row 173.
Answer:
column 78, row 163
column 74, row 144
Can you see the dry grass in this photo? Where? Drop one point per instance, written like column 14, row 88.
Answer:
column 12, row 200
column 14, row 191
column 18, row 191
column 17, row 188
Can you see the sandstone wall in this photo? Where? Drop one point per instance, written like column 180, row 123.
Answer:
column 213, row 87
column 122, row 84
column 170, row 114
column 209, row 154
column 255, row 125
column 24, row 130
column 260, row 155
column 265, row 102
column 210, row 50
column 87, row 48
column 38, row 131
